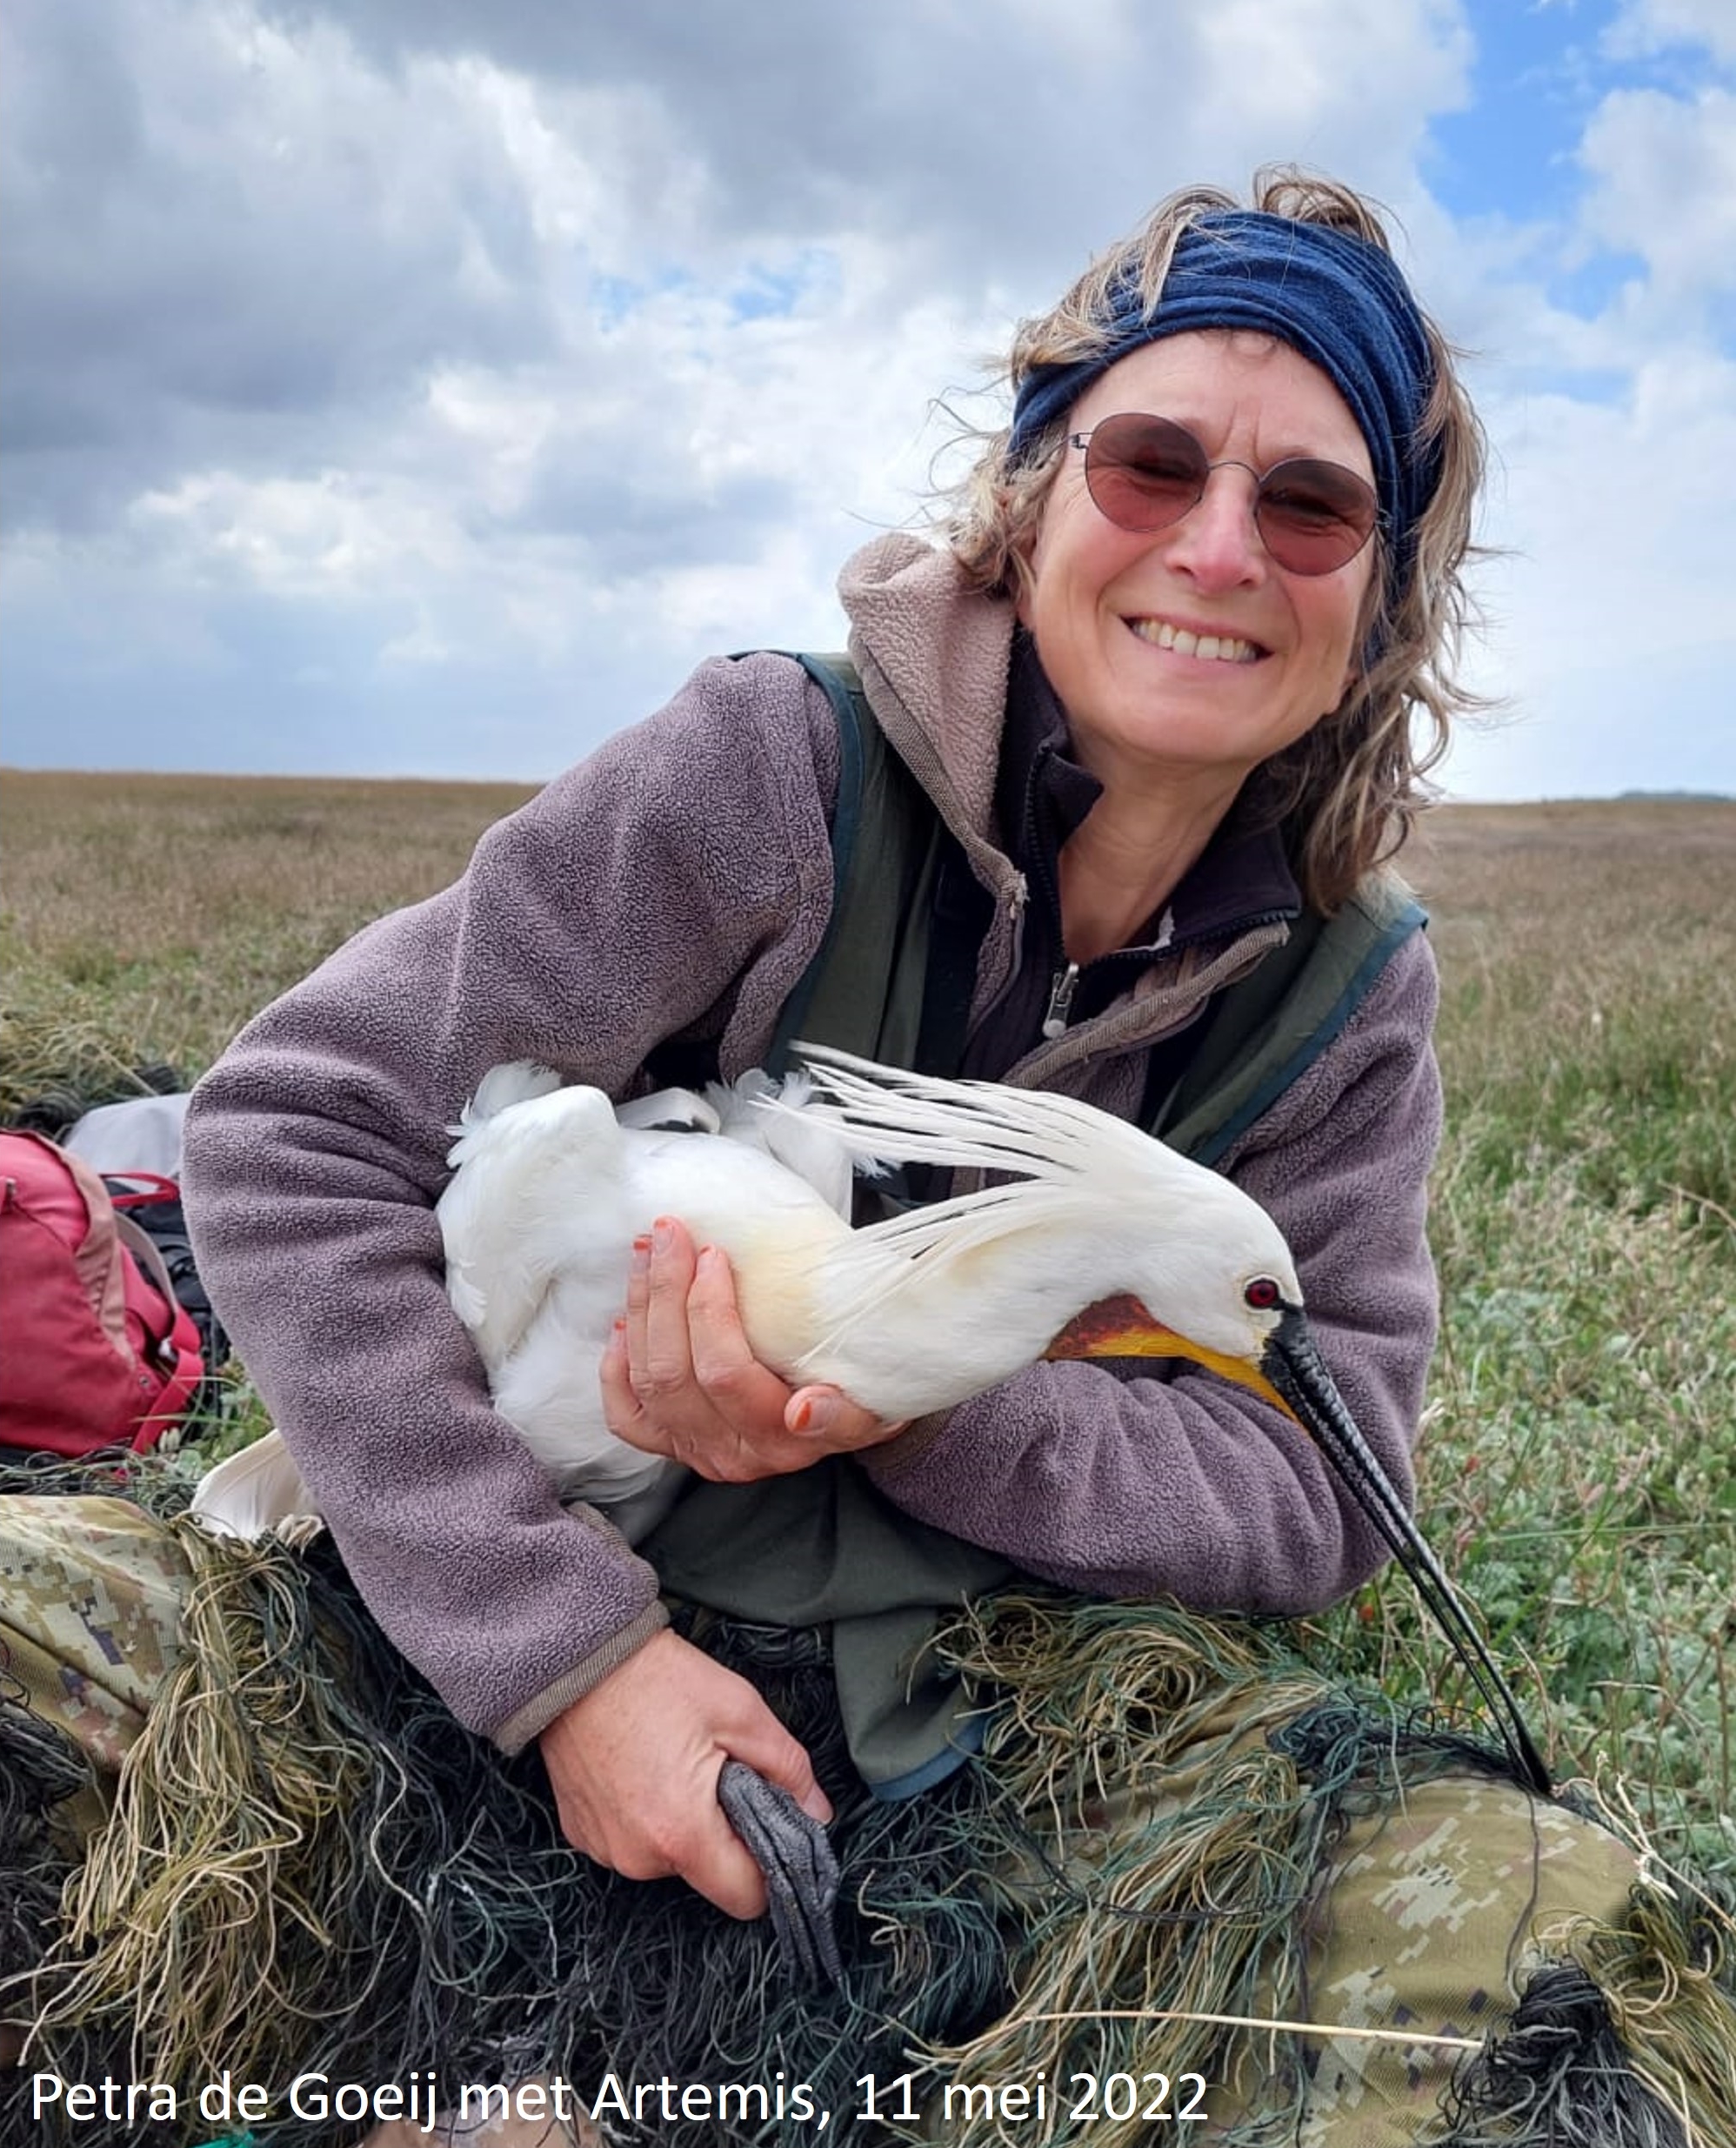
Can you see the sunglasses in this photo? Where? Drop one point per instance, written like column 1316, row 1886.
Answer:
column 1145, row 473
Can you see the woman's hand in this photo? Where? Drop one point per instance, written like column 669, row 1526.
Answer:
column 634, row 1767
column 680, row 1379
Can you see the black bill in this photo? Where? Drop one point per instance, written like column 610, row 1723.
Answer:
column 1293, row 1365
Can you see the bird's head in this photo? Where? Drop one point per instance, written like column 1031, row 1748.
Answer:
column 1232, row 1301
column 1275, row 1356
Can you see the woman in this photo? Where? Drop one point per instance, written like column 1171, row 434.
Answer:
column 1155, row 742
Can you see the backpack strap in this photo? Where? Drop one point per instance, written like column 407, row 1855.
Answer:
column 1269, row 1027
column 867, row 988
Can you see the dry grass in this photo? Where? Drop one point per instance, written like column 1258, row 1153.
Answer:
column 1579, row 1463
column 167, row 909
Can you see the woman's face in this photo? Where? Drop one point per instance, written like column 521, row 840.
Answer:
column 1101, row 596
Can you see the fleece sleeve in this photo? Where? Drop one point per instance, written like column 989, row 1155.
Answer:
column 680, row 877
column 1190, row 1485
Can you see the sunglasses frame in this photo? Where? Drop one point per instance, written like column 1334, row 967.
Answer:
column 1262, row 478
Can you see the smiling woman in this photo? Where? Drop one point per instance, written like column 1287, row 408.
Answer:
column 1098, row 805
column 1186, row 654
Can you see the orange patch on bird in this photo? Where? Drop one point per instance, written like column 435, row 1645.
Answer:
column 1118, row 1327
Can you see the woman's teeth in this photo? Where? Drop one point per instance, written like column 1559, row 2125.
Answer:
column 1212, row 648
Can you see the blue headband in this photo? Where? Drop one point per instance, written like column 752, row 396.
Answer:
column 1339, row 300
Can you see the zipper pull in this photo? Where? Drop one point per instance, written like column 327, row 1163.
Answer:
column 1060, row 999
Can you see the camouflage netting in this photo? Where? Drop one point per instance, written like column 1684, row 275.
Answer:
column 56, row 1068
column 309, row 1867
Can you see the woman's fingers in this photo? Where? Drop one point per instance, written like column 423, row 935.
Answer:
column 634, row 1767
column 657, row 1285
column 678, row 1376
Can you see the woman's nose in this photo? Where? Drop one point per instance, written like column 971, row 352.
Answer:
column 1217, row 541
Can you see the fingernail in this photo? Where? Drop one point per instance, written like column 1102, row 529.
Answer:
column 817, row 1415
column 641, row 1256
column 663, row 1234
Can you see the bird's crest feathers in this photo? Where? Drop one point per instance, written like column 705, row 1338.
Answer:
column 983, row 1125
column 1063, row 1154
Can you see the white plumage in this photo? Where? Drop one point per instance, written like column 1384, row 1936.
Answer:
column 551, row 1185
column 906, row 1316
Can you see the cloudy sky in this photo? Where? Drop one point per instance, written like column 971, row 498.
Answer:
column 423, row 386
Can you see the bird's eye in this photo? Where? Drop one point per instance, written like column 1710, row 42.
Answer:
column 1263, row 1294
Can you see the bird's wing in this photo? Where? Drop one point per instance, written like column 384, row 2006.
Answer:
column 507, row 1218
column 670, row 1111
column 795, row 1133
column 501, row 1087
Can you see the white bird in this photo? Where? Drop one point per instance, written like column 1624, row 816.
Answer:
column 551, row 1184
column 1102, row 1243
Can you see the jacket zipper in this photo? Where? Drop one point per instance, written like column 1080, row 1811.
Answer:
column 1061, row 991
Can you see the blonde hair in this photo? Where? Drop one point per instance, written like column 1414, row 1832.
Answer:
column 1349, row 791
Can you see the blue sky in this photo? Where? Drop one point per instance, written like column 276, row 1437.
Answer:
column 407, row 387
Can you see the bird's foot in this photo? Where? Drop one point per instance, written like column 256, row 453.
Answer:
column 801, row 1872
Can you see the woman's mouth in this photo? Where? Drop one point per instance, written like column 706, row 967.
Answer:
column 1210, row 648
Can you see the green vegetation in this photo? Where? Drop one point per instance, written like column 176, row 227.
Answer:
column 1578, row 1465
column 1579, row 1462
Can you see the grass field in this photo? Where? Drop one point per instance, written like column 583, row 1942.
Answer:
column 1579, row 1467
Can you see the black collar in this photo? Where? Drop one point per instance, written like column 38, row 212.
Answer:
column 1042, row 795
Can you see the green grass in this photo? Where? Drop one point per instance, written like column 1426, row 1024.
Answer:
column 1578, row 1468
column 1577, row 1472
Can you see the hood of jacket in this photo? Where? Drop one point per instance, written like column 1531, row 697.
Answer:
column 934, row 657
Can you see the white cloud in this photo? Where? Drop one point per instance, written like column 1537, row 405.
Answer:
column 1339, row 72
column 1664, row 174
column 1611, row 632
column 333, row 538
column 1642, row 27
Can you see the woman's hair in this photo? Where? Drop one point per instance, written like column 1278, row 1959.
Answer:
column 1349, row 791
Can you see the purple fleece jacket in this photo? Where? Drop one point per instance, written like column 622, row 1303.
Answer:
column 681, row 878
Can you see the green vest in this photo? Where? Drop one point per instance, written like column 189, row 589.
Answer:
column 823, row 1546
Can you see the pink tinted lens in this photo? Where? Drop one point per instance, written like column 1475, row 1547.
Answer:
column 1143, row 473
column 1146, row 474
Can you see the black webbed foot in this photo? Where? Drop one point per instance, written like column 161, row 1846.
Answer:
column 801, row 1872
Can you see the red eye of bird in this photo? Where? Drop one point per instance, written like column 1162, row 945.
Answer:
column 1263, row 1294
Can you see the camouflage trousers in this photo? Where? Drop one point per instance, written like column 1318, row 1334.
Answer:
column 1438, row 1902
column 1435, row 1915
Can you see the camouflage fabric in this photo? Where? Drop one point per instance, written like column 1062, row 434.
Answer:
column 1417, row 1912
column 91, row 1590
column 1437, row 1912
column 1416, row 1937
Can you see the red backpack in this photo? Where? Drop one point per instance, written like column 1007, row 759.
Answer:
column 96, row 1352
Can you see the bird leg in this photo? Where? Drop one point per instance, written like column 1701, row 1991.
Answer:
column 801, row 1873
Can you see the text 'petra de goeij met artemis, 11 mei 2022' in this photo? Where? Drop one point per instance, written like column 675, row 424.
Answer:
column 422, row 2100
